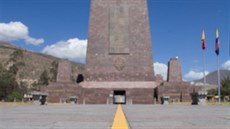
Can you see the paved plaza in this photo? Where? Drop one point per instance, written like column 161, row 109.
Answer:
column 101, row 117
column 178, row 117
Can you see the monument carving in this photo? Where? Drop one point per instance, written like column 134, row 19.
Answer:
column 119, row 63
column 119, row 29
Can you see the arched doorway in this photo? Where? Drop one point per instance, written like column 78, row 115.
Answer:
column 80, row 78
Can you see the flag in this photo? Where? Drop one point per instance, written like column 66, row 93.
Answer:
column 203, row 40
column 217, row 43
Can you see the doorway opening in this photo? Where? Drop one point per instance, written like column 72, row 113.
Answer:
column 119, row 97
column 80, row 78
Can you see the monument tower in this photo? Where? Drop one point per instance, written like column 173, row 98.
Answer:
column 119, row 47
column 119, row 56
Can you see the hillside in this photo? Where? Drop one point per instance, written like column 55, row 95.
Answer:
column 211, row 78
column 7, row 45
column 35, row 63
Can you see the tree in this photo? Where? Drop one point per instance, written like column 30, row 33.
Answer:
column 7, row 83
column 16, row 55
column 42, row 81
column 212, row 92
column 44, row 78
column 15, row 95
column 22, row 87
column 225, row 87
column 224, row 90
column 9, row 88
column 34, row 87
column 16, row 61
column 53, row 71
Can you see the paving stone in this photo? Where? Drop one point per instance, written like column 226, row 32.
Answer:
column 101, row 117
column 177, row 117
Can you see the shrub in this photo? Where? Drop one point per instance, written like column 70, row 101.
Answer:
column 14, row 96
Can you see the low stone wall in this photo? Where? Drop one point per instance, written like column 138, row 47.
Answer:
column 61, row 92
column 105, row 95
column 178, row 91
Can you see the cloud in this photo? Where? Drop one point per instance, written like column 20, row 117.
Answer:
column 226, row 65
column 193, row 75
column 17, row 31
column 73, row 49
column 160, row 68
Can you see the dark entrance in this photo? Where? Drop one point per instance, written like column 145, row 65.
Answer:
column 119, row 97
column 80, row 78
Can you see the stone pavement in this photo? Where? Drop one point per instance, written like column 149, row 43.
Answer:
column 101, row 117
column 57, row 117
column 178, row 117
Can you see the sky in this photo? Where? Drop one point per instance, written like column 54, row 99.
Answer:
column 60, row 28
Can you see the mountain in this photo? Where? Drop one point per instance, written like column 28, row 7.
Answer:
column 6, row 44
column 35, row 63
column 211, row 78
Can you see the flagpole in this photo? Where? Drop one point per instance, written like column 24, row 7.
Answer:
column 204, row 65
column 218, row 63
column 218, row 70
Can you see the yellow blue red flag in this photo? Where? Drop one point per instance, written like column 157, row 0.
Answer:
column 203, row 40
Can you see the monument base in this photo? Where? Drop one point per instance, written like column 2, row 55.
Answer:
column 102, row 92
column 177, row 91
column 63, row 92
column 105, row 92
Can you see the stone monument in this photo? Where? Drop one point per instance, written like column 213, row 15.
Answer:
column 64, row 88
column 175, row 88
column 119, row 56
column 119, row 47
column 119, row 61
column 64, row 71
column 174, row 70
